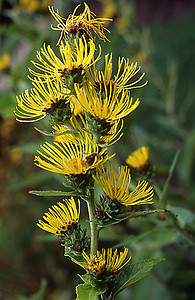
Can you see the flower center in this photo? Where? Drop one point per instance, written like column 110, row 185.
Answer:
column 97, row 266
column 118, row 193
column 76, row 166
column 101, row 112
column 51, row 103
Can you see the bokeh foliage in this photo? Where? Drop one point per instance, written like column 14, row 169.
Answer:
column 164, row 122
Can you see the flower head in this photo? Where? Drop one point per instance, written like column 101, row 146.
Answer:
column 83, row 22
column 139, row 158
column 73, row 157
column 118, row 188
column 122, row 80
column 43, row 99
column 61, row 217
column 70, row 132
column 106, row 104
column 71, row 68
column 62, row 134
column 105, row 262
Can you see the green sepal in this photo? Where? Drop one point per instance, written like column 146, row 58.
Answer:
column 70, row 77
column 75, row 241
column 87, row 292
column 79, row 182
column 76, row 35
column 53, row 193
column 85, row 277
column 98, row 127
column 60, row 112
column 130, row 274
column 77, row 258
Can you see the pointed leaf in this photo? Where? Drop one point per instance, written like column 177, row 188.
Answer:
column 87, row 292
column 163, row 197
column 54, row 134
column 52, row 193
column 134, row 272
column 85, row 277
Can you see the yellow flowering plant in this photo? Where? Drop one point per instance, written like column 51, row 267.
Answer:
column 86, row 107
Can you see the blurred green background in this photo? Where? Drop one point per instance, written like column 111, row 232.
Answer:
column 159, row 35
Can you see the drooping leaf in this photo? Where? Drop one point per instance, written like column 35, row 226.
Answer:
column 134, row 272
column 131, row 215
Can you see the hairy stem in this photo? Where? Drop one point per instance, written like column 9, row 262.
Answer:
column 93, row 225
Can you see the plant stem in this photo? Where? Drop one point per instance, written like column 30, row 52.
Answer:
column 93, row 225
column 185, row 233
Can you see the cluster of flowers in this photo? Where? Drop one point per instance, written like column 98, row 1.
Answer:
column 86, row 109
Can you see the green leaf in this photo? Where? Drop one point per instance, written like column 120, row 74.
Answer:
column 134, row 272
column 87, row 292
column 75, row 258
column 52, row 193
column 39, row 295
column 163, row 197
column 131, row 215
column 84, row 277
column 54, row 134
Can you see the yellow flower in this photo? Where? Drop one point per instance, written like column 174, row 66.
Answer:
column 4, row 61
column 105, row 262
column 76, row 125
column 61, row 134
column 139, row 158
column 71, row 158
column 61, row 217
column 35, row 105
column 76, row 107
column 73, row 63
column 125, row 73
column 107, row 103
column 85, row 21
column 113, row 135
column 118, row 188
